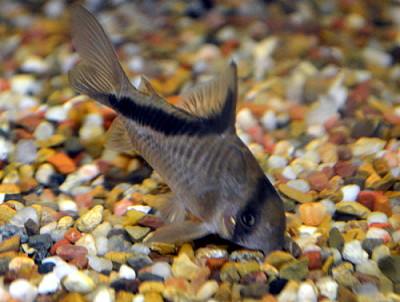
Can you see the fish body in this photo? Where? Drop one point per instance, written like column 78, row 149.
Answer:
column 194, row 147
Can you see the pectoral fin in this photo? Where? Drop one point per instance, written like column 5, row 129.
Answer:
column 169, row 207
column 179, row 232
column 117, row 138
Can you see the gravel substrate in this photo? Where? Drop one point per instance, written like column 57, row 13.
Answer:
column 320, row 109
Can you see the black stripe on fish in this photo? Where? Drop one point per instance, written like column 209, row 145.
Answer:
column 252, row 210
column 170, row 124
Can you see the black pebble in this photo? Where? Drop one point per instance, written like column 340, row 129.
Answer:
column 276, row 286
column 73, row 146
column 149, row 277
column 138, row 261
column 32, row 228
column 126, row 285
column 41, row 242
column 46, row 268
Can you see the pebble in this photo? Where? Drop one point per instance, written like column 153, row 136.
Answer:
column 207, row 290
column 328, row 287
column 184, row 267
column 350, row 192
column 295, row 194
column 49, row 284
column 105, row 294
column 353, row 208
column 126, row 272
column 25, row 151
column 367, row 146
column 79, row 282
column 162, row 269
column 353, row 252
column 313, row 213
column 87, row 241
column 22, row 290
column 99, row 264
column 245, row 119
column 295, row 270
column 307, row 292
column 88, row 222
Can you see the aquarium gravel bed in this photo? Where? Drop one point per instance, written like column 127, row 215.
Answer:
column 319, row 107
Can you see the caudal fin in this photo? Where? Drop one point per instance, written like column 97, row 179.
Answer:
column 100, row 73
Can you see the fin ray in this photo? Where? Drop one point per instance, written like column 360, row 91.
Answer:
column 117, row 138
column 179, row 232
column 214, row 100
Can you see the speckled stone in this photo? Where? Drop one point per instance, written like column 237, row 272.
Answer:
column 295, row 270
column 88, row 222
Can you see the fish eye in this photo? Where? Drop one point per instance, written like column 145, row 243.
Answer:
column 248, row 219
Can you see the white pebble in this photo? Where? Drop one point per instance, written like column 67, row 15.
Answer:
column 140, row 208
column 367, row 146
column 34, row 64
column 162, row 269
column 49, row 284
column 44, row 130
column 22, row 290
column 99, row 264
column 79, row 282
column 64, row 269
column 44, row 173
column 101, row 245
column 268, row 120
column 4, row 295
column 93, row 119
column 126, row 272
column 91, row 132
column 289, row 292
column 369, row 267
column 299, row 184
column 5, row 148
column 207, row 290
column 330, row 205
column 23, row 215
column 328, row 287
column 350, row 192
column 277, row 162
column 67, row 205
column 378, row 233
column 289, row 173
column 141, row 249
column 56, row 113
column 25, row 84
column 25, row 151
column 307, row 292
column 246, row 119
column 353, row 252
column 104, row 295
column 48, row 227
column 396, row 236
column 54, row 8
column 377, row 217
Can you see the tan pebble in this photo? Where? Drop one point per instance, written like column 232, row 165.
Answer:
column 123, row 296
column 87, row 222
column 119, row 257
column 312, row 213
column 20, row 263
column 151, row 287
column 6, row 213
column 366, row 169
column 278, row 258
column 207, row 290
column 9, row 188
column 153, row 297
column 162, row 248
column 133, row 216
column 372, row 181
column 270, row 270
column 187, row 249
column 65, row 222
column 184, row 267
column 294, row 194
column 10, row 244
column 354, row 208
column 180, row 284
column 354, row 234
column 73, row 297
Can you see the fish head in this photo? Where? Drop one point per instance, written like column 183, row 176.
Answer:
column 260, row 223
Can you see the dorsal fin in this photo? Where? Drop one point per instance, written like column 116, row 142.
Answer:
column 100, row 72
column 117, row 138
column 214, row 100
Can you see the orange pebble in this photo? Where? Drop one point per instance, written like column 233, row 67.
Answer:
column 121, row 207
column 312, row 213
column 62, row 162
column 382, row 204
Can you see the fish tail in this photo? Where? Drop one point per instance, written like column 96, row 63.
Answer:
column 100, row 73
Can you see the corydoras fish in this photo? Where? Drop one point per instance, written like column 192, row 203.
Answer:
column 194, row 147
